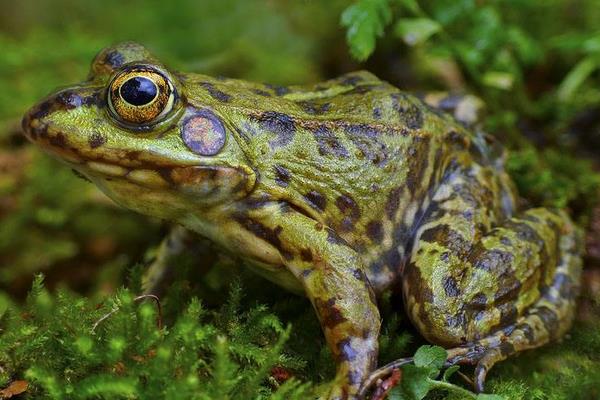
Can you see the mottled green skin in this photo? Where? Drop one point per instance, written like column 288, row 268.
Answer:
column 337, row 190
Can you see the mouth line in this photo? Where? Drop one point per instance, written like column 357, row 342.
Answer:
column 154, row 178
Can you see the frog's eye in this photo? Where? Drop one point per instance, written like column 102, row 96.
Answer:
column 140, row 95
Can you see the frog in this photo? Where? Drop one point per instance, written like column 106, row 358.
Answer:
column 339, row 191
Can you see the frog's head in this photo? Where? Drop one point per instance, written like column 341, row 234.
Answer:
column 130, row 129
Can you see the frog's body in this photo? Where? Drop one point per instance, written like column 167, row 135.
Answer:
column 338, row 190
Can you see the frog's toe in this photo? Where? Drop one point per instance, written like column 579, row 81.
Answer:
column 381, row 373
column 481, row 369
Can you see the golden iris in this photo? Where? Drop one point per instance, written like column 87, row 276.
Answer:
column 140, row 95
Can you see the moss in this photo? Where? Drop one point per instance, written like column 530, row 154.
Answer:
column 554, row 179
column 67, row 346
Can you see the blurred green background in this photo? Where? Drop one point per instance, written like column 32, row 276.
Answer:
column 535, row 64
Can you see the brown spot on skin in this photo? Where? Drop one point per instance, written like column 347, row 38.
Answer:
column 261, row 92
column 377, row 113
column 96, row 140
column 165, row 173
column 506, row 349
column 254, row 203
column 362, row 89
column 334, row 238
column 329, row 313
column 306, row 255
column 94, row 99
column 457, row 320
column 354, row 378
column 450, row 287
column 42, row 110
column 366, row 139
column 493, row 260
column 69, row 100
column 279, row 90
column 316, row 200
column 328, row 143
column 358, row 274
column 351, row 80
column 313, row 108
column 375, row 231
column 345, row 351
column 508, row 314
column 280, row 124
column 319, row 226
column 58, row 141
column 393, row 202
column 409, row 113
column 113, row 59
column 282, row 175
column 203, row 133
column 527, row 331
column 270, row 235
column 216, row 93
column 348, row 207
column 479, row 302
column 448, row 237
column 549, row 318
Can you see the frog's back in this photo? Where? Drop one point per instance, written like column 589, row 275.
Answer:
column 354, row 153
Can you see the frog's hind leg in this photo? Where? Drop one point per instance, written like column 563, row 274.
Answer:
column 487, row 283
column 546, row 320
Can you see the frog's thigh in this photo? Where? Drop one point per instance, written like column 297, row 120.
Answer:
column 462, row 282
column 501, row 290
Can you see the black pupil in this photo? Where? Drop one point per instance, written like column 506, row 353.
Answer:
column 138, row 91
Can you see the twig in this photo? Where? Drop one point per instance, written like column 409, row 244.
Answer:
column 138, row 298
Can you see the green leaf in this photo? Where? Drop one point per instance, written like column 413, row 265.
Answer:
column 365, row 22
column 415, row 31
column 575, row 78
column 430, row 357
column 415, row 382
column 448, row 372
column 411, row 5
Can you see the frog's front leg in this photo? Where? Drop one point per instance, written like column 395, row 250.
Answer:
column 179, row 243
column 332, row 275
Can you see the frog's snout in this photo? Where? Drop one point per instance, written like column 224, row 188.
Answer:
column 37, row 123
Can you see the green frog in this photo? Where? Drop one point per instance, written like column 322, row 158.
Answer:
column 338, row 191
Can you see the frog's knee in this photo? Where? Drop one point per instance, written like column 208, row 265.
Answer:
column 440, row 324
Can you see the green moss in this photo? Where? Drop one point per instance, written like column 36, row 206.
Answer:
column 554, row 179
column 64, row 347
